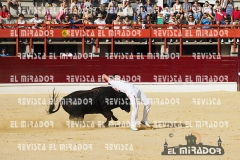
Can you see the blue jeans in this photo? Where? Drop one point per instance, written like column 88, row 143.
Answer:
column 197, row 15
column 169, row 3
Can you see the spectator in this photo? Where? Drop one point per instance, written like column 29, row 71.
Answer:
column 50, row 2
column 220, row 15
column 4, row 54
column 75, row 20
column 88, row 14
column 4, row 12
column 148, row 22
column 166, row 15
column 112, row 11
column 136, row 6
column 127, row 23
column 206, row 21
column 160, row 18
column 229, row 9
column 216, row 7
column 135, row 16
column 154, row 16
column 66, row 54
column 197, row 10
column 125, row 5
column 87, row 21
column 224, row 24
column 103, row 4
column 66, row 20
column 191, row 22
column 74, row 10
column 64, row 4
column 36, row 21
column 104, row 13
column 117, row 24
column 149, row 7
column 187, row 9
column 14, row 3
column 20, row 21
column 8, row 20
column 207, row 9
column 143, row 13
column 177, row 9
column 101, row 22
column 174, row 23
column 87, row 4
column 48, row 20
column 75, row 3
column 60, row 16
column 236, row 22
column 34, row 3
column 48, row 14
column 235, row 14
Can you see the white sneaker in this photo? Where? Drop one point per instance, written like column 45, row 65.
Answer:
column 50, row 40
column 222, row 41
column 171, row 41
column 186, row 40
column 132, row 40
column 145, row 42
column 145, row 123
column 133, row 128
column 176, row 40
column 237, row 40
column 229, row 41
column 88, row 41
column 152, row 40
column 107, row 40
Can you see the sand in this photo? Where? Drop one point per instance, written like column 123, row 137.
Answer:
column 95, row 142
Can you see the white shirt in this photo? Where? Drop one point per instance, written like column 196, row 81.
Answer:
column 67, row 55
column 136, row 7
column 78, row 5
column 97, row 21
column 124, row 86
column 87, row 4
column 33, row 20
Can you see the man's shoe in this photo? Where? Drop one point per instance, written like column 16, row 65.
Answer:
column 145, row 123
column 133, row 128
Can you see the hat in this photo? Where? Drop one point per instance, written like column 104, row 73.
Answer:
column 99, row 15
column 36, row 15
column 235, row 6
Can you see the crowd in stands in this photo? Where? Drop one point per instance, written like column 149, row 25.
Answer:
column 224, row 12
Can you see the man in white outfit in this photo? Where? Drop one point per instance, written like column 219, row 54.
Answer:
column 133, row 94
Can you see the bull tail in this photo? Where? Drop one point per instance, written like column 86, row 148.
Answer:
column 52, row 104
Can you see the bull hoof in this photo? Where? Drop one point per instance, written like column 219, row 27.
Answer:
column 114, row 118
column 105, row 124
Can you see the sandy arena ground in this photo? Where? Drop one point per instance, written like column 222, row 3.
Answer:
column 147, row 144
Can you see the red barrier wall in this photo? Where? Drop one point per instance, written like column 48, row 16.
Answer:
column 14, row 70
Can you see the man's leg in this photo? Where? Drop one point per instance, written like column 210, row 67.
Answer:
column 146, row 102
column 134, row 115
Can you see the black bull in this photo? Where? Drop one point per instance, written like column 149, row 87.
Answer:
column 97, row 100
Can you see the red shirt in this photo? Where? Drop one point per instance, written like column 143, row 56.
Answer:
column 220, row 16
column 236, row 14
column 3, row 14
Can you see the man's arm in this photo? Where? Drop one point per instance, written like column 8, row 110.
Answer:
column 105, row 77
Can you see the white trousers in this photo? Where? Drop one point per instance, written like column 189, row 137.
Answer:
column 125, row 11
column 134, row 99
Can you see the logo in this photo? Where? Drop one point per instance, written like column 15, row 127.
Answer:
column 192, row 148
column 64, row 33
